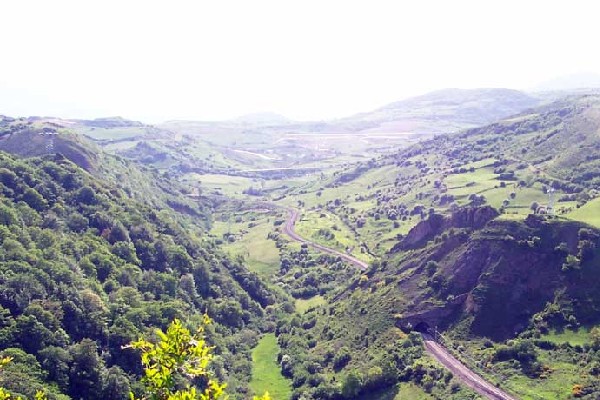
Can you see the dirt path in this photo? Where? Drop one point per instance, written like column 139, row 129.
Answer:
column 466, row 376
column 289, row 229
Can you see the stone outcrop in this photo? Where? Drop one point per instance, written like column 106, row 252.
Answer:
column 474, row 218
column 433, row 317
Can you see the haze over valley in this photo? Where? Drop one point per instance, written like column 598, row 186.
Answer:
column 306, row 202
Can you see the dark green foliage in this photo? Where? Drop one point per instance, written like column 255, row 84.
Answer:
column 522, row 351
column 24, row 375
column 85, row 270
column 306, row 273
column 85, row 379
column 352, row 385
column 342, row 358
column 34, row 199
column 86, row 195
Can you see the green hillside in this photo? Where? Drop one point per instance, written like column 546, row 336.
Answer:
column 494, row 281
column 489, row 235
column 85, row 268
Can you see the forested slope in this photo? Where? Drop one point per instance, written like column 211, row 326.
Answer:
column 85, row 269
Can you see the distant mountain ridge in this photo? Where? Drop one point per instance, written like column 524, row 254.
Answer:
column 443, row 111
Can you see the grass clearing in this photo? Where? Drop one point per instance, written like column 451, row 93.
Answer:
column 260, row 253
column 402, row 391
column 557, row 385
column 226, row 184
column 574, row 338
column 471, row 182
column 589, row 213
column 313, row 222
column 266, row 374
column 302, row 305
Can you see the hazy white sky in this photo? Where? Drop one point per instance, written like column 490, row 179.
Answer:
column 305, row 59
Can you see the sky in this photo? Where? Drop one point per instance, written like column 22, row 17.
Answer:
column 308, row 60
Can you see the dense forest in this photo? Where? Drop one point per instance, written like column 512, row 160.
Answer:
column 85, row 270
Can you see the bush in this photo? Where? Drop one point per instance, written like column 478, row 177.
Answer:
column 342, row 358
column 352, row 385
column 34, row 200
column 86, row 195
column 522, row 351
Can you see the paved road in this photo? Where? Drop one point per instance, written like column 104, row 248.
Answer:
column 434, row 349
column 467, row 376
column 289, row 229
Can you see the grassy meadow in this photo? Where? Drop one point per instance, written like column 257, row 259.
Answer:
column 302, row 305
column 266, row 374
column 260, row 253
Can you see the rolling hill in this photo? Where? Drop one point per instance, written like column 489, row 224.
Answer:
column 489, row 235
column 442, row 111
column 98, row 251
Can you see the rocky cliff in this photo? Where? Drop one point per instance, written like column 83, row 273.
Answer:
column 474, row 218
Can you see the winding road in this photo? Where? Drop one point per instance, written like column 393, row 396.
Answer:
column 462, row 372
column 289, row 229
column 433, row 348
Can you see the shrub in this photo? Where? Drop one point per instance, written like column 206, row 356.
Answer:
column 342, row 358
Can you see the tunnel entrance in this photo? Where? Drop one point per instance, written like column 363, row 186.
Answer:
column 423, row 327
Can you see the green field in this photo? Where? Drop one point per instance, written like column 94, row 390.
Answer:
column 260, row 253
column 120, row 133
column 312, row 222
column 229, row 185
column 574, row 338
column 266, row 375
column 471, row 182
column 304, row 304
column 589, row 213
column 558, row 378
column 557, row 385
column 402, row 391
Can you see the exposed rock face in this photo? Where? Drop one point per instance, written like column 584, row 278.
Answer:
column 421, row 232
column 474, row 218
column 433, row 317
column 498, row 277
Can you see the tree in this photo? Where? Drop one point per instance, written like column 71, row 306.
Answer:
column 117, row 384
column 595, row 336
column 351, row 385
column 5, row 395
column 179, row 354
column 86, row 371
column 534, row 206
column 34, row 199
column 86, row 195
column 8, row 178
column 8, row 216
column 56, row 361
column 118, row 233
column 342, row 358
column 431, row 267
